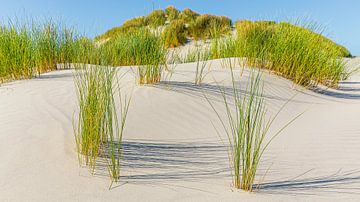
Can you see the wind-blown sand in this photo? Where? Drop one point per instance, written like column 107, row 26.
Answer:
column 171, row 150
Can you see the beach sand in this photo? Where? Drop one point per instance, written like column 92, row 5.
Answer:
column 171, row 149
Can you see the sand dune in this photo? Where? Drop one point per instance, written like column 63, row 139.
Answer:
column 171, row 150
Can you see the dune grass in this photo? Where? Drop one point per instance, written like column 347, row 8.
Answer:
column 202, row 57
column 156, row 18
column 204, row 25
column 140, row 48
column 246, row 125
column 28, row 49
column 188, row 15
column 175, row 34
column 294, row 52
column 99, row 130
column 172, row 13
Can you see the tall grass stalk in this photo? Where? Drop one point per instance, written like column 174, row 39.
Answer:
column 246, row 127
column 98, row 131
column 202, row 58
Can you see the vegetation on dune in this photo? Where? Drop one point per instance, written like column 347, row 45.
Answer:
column 172, row 13
column 292, row 51
column 189, row 22
column 129, row 26
column 99, row 129
column 175, row 34
column 156, row 18
column 30, row 49
column 204, row 26
column 139, row 48
column 188, row 15
column 247, row 128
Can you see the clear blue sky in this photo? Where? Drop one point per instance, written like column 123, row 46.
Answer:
column 341, row 17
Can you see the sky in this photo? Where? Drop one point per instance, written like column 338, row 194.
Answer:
column 341, row 18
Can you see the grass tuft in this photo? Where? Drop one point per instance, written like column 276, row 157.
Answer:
column 98, row 131
column 247, row 128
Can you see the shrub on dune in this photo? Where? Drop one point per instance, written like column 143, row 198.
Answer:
column 175, row 34
column 156, row 18
column 129, row 26
column 188, row 15
column 172, row 13
column 205, row 24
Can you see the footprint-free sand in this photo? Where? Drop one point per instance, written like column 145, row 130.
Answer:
column 171, row 150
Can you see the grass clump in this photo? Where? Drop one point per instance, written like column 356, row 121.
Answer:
column 175, row 34
column 188, row 15
column 204, row 26
column 140, row 48
column 99, row 128
column 172, row 13
column 202, row 57
column 129, row 26
column 292, row 51
column 247, row 128
column 28, row 49
column 156, row 18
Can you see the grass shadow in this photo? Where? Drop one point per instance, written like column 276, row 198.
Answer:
column 337, row 183
column 148, row 162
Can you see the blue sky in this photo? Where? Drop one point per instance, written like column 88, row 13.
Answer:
column 341, row 17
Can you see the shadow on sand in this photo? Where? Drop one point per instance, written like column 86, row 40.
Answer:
column 190, row 89
column 340, row 182
column 164, row 162
column 215, row 92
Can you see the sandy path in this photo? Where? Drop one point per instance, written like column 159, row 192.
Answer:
column 172, row 152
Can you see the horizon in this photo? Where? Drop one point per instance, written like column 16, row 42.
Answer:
column 94, row 18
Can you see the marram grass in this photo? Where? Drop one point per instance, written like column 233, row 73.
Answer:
column 99, row 128
column 29, row 49
column 297, row 53
column 247, row 128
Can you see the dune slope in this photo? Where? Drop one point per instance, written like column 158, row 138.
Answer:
column 171, row 150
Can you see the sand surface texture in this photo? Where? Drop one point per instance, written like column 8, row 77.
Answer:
column 171, row 150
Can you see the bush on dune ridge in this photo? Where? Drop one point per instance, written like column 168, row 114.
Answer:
column 129, row 26
column 175, row 34
column 188, row 15
column 204, row 25
column 172, row 13
column 199, row 26
column 156, row 18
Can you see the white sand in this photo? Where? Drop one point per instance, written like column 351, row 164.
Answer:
column 172, row 152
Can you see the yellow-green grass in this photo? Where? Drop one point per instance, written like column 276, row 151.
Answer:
column 156, row 18
column 27, row 49
column 188, row 15
column 175, row 34
column 129, row 26
column 172, row 13
column 199, row 26
column 204, row 26
column 99, row 128
column 246, row 125
column 291, row 51
column 141, row 48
